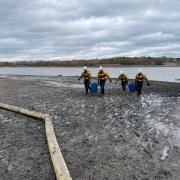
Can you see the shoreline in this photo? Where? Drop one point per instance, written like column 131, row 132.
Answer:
column 105, row 66
column 177, row 81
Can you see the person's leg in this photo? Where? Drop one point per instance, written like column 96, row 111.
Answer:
column 126, row 84
column 141, row 85
column 103, row 84
column 89, row 87
column 139, row 88
column 124, row 87
column 123, row 84
column 86, row 85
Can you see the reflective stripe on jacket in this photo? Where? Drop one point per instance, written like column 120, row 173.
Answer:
column 123, row 77
column 102, row 76
column 86, row 75
column 140, row 77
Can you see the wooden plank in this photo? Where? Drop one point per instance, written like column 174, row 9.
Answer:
column 59, row 164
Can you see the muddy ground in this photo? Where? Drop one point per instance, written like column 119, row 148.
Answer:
column 114, row 137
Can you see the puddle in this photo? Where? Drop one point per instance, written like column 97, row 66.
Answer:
column 159, row 121
column 164, row 154
column 151, row 100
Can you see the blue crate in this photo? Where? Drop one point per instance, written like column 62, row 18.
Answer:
column 94, row 87
column 132, row 87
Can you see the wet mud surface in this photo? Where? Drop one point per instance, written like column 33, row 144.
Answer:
column 23, row 148
column 115, row 137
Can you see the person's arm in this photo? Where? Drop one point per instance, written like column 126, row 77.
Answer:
column 146, row 79
column 89, row 75
column 80, row 77
column 126, row 79
column 117, row 79
column 108, row 77
column 98, row 79
column 136, row 79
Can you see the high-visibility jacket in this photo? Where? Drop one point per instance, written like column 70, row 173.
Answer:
column 102, row 76
column 123, row 77
column 86, row 75
column 140, row 77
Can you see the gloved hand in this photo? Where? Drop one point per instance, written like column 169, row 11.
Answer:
column 110, row 80
column 148, row 83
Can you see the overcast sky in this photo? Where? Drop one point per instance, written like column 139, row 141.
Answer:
column 66, row 29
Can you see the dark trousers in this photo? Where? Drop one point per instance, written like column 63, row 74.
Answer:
column 87, row 85
column 102, row 84
column 139, row 86
column 124, row 84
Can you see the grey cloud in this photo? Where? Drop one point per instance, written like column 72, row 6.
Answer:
column 88, row 29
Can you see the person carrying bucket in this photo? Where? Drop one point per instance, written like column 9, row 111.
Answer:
column 139, row 79
column 102, row 76
column 87, row 79
column 124, row 80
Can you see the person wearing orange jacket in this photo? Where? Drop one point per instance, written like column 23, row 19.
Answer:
column 139, row 79
column 87, row 79
column 102, row 76
column 124, row 80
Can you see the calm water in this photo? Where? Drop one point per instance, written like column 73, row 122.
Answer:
column 153, row 73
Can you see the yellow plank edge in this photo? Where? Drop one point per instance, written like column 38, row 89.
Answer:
column 60, row 167
column 58, row 162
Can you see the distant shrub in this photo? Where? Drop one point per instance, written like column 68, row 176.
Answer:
column 114, row 61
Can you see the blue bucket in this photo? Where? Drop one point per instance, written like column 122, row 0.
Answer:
column 94, row 87
column 132, row 87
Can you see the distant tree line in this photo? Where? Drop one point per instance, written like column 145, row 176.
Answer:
column 114, row 61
